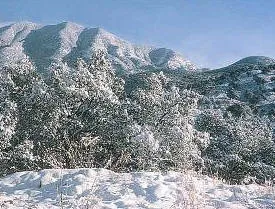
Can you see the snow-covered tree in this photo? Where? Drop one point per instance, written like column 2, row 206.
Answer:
column 238, row 144
column 18, row 84
column 166, row 116
column 93, row 122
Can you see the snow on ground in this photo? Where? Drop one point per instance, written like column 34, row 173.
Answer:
column 101, row 188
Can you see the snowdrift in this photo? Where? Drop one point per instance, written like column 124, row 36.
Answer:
column 101, row 188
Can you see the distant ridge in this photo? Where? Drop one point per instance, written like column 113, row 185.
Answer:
column 255, row 60
column 68, row 41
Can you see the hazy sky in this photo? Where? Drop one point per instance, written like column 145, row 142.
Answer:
column 211, row 33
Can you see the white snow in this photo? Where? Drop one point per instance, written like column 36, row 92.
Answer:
column 68, row 33
column 11, row 45
column 101, row 188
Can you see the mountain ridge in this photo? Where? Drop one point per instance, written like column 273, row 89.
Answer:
column 67, row 41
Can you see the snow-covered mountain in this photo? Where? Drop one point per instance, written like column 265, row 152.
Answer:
column 69, row 41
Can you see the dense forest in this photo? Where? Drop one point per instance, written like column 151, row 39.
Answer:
column 218, row 122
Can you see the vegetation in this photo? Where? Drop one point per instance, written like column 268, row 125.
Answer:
column 87, row 116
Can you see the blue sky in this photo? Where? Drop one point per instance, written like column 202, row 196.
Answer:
column 211, row 33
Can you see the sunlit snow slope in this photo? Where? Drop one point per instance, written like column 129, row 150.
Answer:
column 100, row 188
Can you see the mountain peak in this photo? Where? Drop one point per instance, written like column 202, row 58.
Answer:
column 101, row 30
column 67, row 41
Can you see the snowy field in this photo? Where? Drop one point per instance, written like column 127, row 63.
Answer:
column 101, row 188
